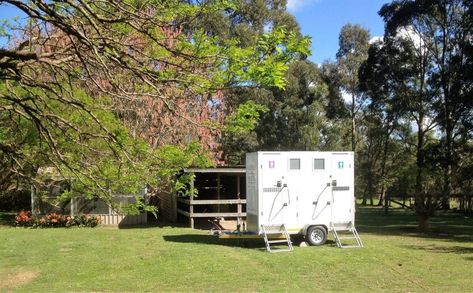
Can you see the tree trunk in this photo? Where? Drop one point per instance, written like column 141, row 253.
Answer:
column 383, row 164
column 381, row 196
column 422, row 203
column 365, row 195
column 369, row 186
column 447, row 188
column 386, row 204
column 419, row 196
column 423, row 222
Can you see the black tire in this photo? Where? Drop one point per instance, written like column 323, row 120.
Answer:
column 316, row 235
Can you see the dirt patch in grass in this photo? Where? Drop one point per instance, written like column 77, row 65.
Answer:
column 65, row 249
column 17, row 279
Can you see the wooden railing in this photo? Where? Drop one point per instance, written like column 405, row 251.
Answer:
column 192, row 202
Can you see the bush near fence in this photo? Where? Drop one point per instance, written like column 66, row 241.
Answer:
column 52, row 220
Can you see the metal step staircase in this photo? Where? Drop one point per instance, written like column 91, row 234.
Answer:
column 346, row 232
column 281, row 231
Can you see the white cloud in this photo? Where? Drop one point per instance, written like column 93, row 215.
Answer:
column 410, row 34
column 376, row 39
column 346, row 97
column 297, row 5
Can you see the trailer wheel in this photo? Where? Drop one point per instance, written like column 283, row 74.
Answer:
column 316, row 235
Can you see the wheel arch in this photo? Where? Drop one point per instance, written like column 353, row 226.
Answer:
column 306, row 227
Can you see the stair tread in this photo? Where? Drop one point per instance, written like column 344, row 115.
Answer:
column 342, row 224
column 348, row 232
column 278, row 241
column 277, row 230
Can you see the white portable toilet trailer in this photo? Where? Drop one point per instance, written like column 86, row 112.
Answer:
column 307, row 192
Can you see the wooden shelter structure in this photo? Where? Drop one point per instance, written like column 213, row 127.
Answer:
column 44, row 200
column 221, row 195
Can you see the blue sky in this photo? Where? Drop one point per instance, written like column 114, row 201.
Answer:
column 319, row 19
column 323, row 19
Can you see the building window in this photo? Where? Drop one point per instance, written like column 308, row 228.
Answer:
column 294, row 164
column 319, row 164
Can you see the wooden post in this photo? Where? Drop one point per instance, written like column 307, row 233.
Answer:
column 72, row 207
column 239, row 204
column 146, row 200
column 32, row 200
column 191, row 211
column 191, row 207
column 72, row 198
column 239, row 213
column 110, row 211
column 238, row 186
column 218, row 191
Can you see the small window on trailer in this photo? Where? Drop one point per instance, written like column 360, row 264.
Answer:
column 294, row 164
column 319, row 164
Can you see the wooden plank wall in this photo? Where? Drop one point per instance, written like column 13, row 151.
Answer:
column 167, row 206
column 116, row 219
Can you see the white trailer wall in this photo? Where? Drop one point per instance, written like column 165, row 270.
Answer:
column 299, row 189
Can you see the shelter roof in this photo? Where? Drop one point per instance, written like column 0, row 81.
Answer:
column 221, row 170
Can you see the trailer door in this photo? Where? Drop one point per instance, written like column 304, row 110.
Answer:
column 275, row 199
column 343, row 207
column 317, row 203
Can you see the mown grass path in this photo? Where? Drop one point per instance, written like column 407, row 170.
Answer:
column 396, row 258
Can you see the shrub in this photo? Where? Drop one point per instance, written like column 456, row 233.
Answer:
column 25, row 219
column 86, row 221
column 56, row 220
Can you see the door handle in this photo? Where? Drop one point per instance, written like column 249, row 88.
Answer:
column 334, row 182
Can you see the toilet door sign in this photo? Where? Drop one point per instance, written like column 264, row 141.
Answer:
column 340, row 165
column 271, row 164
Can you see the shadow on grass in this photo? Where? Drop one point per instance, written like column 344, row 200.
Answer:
column 444, row 249
column 445, row 226
column 250, row 243
column 153, row 224
column 214, row 240
column 460, row 250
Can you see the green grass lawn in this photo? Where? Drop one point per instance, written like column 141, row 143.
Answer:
column 395, row 258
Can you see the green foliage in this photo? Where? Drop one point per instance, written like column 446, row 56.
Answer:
column 171, row 160
column 64, row 113
column 89, row 221
column 244, row 118
column 138, row 207
column 418, row 76
column 269, row 69
column 297, row 117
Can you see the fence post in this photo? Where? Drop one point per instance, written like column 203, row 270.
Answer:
column 191, row 206
column 218, row 191
column 32, row 200
column 239, row 201
column 72, row 207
